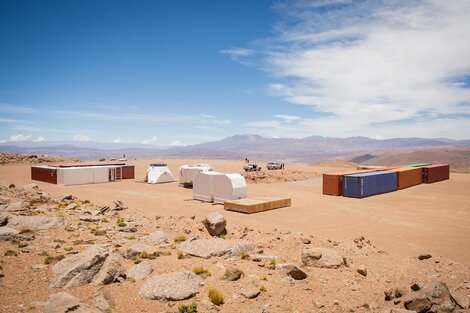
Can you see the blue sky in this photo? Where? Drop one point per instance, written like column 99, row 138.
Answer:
column 184, row 72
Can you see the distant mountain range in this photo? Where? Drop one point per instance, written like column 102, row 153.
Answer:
column 307, row 150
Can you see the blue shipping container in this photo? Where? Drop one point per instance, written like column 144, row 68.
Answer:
column 369, row 184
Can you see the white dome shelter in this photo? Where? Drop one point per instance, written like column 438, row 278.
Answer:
column 189, row 171
column 229, row 187
column 203, row 186
column 159, row 173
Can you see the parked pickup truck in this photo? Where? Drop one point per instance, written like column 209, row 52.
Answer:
column 250, row 167
column 274, row 166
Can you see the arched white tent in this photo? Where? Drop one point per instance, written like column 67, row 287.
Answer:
column 229, row 187
column 159, row 173
column 189, row 171
column 203, row 186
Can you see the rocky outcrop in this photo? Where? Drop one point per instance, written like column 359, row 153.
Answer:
column 215, row 224
column 171, row 286
column 78, row 269
column 322, row 257
column 214, row 247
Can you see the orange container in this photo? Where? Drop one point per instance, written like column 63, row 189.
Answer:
column 408, row 176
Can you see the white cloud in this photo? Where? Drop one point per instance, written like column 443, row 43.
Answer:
column 11, row 108
column 81, row 137
column 149, row 141
column 20, row 137
column 208, row 118
column 39, row 139
column 374, row 67
column 117, row 140
column 177, row 143
column 288, row 118
column 14, row 121
column 236, row 53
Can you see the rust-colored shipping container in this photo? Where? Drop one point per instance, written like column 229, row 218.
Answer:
column 435, row 173
column 128, row 172
column 44, row 174
column 408, row 176
column 333, row 182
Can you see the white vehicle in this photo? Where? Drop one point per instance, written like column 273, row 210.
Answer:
column 251, row 167
column 274, row 166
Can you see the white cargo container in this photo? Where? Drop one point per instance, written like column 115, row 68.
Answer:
column 187, row 172
column 88, row 175
column 229, row 187
column 203, row 186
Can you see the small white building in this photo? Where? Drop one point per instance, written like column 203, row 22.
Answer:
column 229, row 187
column 187, row 172
column 159, row 173
column 203, row 186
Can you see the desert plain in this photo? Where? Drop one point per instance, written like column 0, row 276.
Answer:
column 384, row 234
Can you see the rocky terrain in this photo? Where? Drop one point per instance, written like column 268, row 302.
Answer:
column 13, row 158
column 64, row 254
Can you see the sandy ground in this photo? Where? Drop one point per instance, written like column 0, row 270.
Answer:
column 431, row 218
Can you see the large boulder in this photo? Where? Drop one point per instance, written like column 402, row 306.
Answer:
column 322, row 257
column 214, row 247
column 78, row 269
column 215, row 224
column 64, row 302
column 111, row 271
column 431, row 298
column 36, row 222
column 171, row 286
column 140, row 271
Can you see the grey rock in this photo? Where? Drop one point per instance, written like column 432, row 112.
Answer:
column 250, row 293
column 215, row 224
column 64, row 302
column 322, row 257
column 78, row 269
column 214, row 247
column 292, row 270
column 110, row 271
column 103, row 301
column 140, row 271
column 306, row 241
column 90, row 218
column 416, row 286
column 158, row 237
column 36, row 222
column 171, row 286
column 431, row 298
column 8, row 233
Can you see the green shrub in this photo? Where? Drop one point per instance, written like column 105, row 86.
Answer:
column 244, row 255
column 263, row 288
